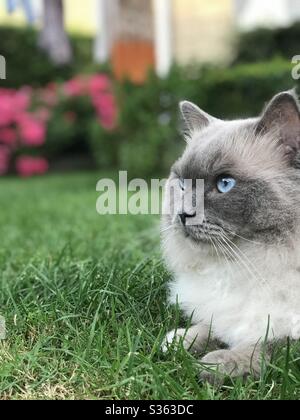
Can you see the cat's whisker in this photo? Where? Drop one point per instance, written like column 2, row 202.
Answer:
column 212, row 242
column 225, row 255
column 238, row 260
column 241, row 237
column 212, row 239
column 167, row 228
column 242, row 254
column 235, row 255
column 232, row 258
column 243, row 257
column 214, row 246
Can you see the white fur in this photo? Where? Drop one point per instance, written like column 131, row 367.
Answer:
column 238, row 300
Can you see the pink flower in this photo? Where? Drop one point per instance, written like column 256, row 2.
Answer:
column 48, row 96
column 98, row 83
column 75, row 87
column 8, row 136
column 43, row 114
column 28, row 166
column 4, row 159
column 12, row 103
column 104, row 100
column 6, row 91
column 32, row 130
column 22, row 99
column 106, row 110
column 7, row 110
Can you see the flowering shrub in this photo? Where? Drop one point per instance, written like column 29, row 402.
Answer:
column 98, row 89
column 38, row 125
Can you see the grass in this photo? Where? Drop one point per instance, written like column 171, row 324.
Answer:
column 84, row 297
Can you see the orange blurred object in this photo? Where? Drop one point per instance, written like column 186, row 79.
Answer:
column 132, row 59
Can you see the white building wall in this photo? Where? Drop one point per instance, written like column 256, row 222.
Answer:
column 203, row 30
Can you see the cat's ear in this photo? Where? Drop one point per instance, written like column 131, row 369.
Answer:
column 194, row 118
column 282, row 116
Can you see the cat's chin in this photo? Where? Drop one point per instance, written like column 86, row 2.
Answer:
column 198, row 235
column 198, row 239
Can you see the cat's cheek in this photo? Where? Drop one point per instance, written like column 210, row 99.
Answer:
column 214, row 192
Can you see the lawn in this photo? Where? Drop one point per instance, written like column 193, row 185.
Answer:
column 84, row 297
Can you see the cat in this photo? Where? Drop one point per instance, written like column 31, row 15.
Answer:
column 236, row 273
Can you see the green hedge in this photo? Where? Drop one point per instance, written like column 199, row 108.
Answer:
column 28, row 65
column 148, row 139
column 262, row 44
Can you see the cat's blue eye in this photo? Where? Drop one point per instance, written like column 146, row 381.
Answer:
column 181, row 183
column 225, row 184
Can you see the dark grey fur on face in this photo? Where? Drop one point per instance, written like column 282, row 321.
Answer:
column 261, row 154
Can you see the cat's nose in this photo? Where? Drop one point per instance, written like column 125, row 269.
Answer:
column 183, row 216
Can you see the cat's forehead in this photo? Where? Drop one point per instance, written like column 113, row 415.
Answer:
column 228, row 146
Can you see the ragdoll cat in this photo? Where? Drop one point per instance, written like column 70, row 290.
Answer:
column 236, row 274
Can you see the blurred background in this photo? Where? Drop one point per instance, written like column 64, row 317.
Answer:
column 96, row 84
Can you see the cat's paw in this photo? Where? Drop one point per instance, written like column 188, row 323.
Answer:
column 218, row 365
column 173, row 338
